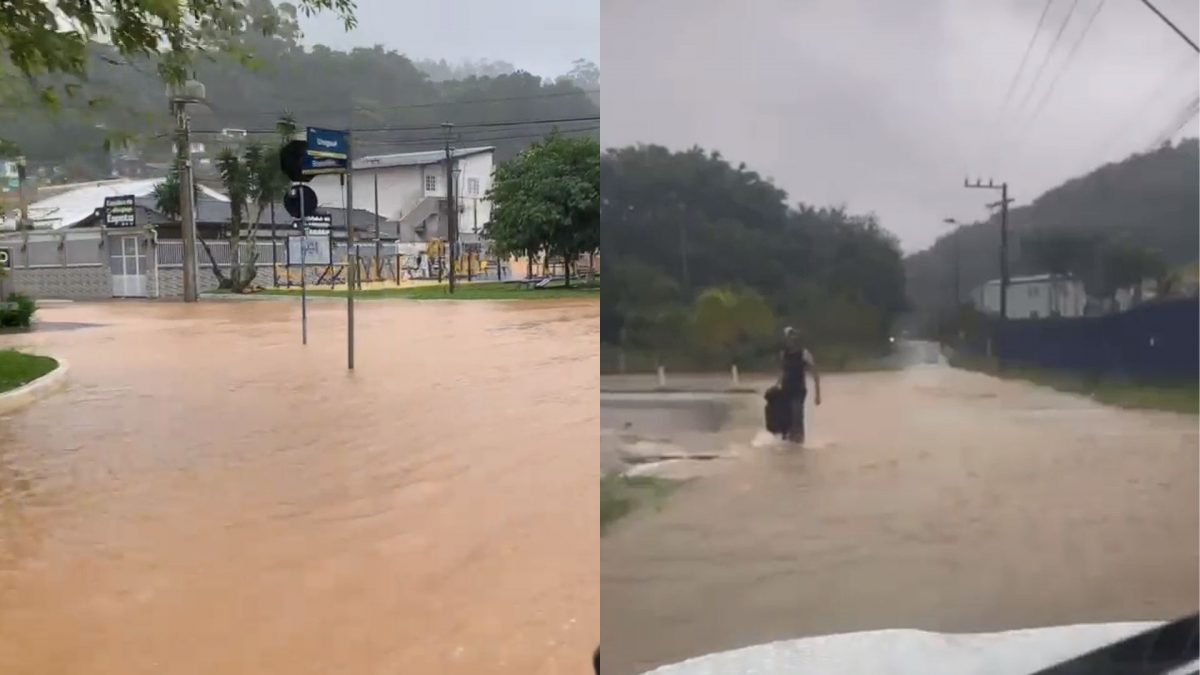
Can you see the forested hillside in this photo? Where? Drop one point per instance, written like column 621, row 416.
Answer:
column 1146, row 202
column 382, row 92
column 704, row 262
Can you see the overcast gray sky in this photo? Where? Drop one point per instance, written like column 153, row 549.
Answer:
column 540, row 36
column 884, row 105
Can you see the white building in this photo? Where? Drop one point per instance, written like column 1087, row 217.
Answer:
column 412, row 191
column 1033, row 297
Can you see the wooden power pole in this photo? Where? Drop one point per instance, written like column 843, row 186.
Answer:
column 1004, row 200
column 451, row 205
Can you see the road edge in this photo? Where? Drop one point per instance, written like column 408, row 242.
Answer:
column 35, row 390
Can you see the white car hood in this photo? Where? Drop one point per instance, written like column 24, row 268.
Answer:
column 913, row 652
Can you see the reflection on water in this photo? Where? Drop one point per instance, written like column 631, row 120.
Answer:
column 208, row 496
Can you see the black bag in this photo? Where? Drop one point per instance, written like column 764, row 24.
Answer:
column 778, row 412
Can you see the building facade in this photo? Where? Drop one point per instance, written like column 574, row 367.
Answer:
column 410, row 190
column 1033, row 297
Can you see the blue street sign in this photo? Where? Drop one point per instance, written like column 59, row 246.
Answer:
column 328, row 143
column 312, row 166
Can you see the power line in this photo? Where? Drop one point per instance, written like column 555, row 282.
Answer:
column 415, row 106
column 1049, row 54
column 1025, row 58
column 481, row 135
column 1041, row 104
column 1181, row 120
column 1120, row 130
column 1170, row 23
column 478, row 125
column 460, row 140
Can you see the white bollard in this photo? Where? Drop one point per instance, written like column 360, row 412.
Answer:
column 662, row 376
column 734, row 371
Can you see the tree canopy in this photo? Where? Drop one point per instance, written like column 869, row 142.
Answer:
column 264, row 71
column 547, row 200
column 687, row 237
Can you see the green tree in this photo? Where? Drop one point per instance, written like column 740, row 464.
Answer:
column 1059, row 253
column 166, row 194
column 1125, row 265
column 547, row 199
column 48, row 47
column 732, row 322
column 704, row 224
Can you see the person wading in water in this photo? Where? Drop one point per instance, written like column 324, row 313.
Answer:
column 797, row 365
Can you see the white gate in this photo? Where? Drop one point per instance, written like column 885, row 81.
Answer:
column 127, row 262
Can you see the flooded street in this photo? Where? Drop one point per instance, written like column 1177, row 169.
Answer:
column 930, row 498
column 208, row 496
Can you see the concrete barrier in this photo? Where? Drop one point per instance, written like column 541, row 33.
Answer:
column 29, row 392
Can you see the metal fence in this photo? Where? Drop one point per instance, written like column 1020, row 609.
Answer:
column 50, row 249
column 1156, row 341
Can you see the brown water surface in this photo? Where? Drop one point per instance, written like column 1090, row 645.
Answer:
column 208, row 496
column 929, row 498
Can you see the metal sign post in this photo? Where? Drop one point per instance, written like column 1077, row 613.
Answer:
column 329, row 152
column 303, row 277
column 351, row 247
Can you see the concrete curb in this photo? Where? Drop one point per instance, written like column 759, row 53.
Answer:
column 32, row 391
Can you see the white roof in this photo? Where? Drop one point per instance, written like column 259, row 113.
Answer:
column 70, row 207
column 415, row 158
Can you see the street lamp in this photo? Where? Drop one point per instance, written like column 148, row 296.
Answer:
column 957, row 290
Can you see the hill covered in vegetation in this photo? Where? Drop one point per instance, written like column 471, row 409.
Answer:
column 396, row 104
column 1146, row 203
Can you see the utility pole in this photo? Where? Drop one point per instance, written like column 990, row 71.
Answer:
column 1004, row 200
column 23, row 197
column 451, row 204
column 351, row 252
column 378, row 249
column 274, row 249
column 187, row 216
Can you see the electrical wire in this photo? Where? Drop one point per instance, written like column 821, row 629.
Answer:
column 1049, row 54
column 1170, row 23
column 1041, row 104
column 477, row 125
column 417, row 106
column 1122, row 129
column 434, row 141
column 1025, row 57
column 1181, row 120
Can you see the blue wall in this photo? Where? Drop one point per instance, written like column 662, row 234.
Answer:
column 1157, row 341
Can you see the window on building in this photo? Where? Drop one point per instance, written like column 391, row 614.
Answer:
column 1033, row 291
column 473, row 187
column 431, row 183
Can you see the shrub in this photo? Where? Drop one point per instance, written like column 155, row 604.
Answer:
column 18, row 313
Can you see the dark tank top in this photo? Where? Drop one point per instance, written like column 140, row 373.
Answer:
column 794, row 368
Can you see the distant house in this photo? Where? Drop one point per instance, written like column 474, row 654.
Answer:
column 412, row 191
column 1033, row 297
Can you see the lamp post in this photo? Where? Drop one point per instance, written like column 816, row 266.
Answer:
column 957, row 260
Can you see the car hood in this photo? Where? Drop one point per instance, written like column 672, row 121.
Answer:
column 913, row 652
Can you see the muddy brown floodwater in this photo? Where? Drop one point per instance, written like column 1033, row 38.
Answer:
column 930, row 498
column 208, row 496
